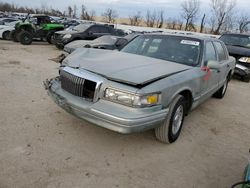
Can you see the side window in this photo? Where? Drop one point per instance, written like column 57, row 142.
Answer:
column 94, row 29
column 220, row 50
column 104, row 30
column 210, row 53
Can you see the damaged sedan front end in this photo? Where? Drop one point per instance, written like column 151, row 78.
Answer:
column 79, row 92
column 153, row 82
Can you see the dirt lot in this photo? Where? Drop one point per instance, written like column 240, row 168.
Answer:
column 43, row 146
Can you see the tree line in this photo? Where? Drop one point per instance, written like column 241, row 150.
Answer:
column 222, row 16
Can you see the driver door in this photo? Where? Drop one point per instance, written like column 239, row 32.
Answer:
column 210, row 80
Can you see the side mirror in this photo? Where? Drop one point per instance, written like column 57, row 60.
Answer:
column 213, row 64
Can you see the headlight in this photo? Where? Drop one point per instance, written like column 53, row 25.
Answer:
column 67, row 36
column 244, row 60
column 132, row 99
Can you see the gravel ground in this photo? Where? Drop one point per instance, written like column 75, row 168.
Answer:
column 43, row 146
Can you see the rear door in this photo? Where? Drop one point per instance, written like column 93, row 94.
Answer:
column 223, row 58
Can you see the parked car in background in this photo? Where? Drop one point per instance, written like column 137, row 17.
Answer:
column 3, row 21
column 6, row 29
column 153, row 82
column 108, row 42
column 82, row 32
column 238, row 46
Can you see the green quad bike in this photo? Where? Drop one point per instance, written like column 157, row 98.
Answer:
column 245, row 183
column 35, row 27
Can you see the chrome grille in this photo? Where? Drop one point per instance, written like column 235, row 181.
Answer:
column 77, row 86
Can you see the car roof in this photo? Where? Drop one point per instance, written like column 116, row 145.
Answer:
column 239, row 34
column 38, row 15
column 191, row 36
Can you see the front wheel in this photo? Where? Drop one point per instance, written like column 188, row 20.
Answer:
column 170, row 130
column 25, row 38
column 50, row 38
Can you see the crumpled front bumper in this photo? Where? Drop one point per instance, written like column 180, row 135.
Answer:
column 116, row 117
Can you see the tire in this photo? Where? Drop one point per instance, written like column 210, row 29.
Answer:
column 60, row 47
column 170, row 130
column 13, row 36
column 25, row 38
column 222, row 91
column 49, row 37
column 6, row 35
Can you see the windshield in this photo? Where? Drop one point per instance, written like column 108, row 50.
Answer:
column 81, row 27
column 178, row 49
column 236, row 40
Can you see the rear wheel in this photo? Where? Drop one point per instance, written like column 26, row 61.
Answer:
column 25, row 38
column 6, row 35
column 222, row 91
column 170, row 130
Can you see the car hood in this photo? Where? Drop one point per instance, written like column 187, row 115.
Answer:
column 79, row 43
column 70, row 47
column 236, row 50
column 123, row 67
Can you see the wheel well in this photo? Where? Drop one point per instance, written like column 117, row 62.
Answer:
column 229, row 76
column 189, row 99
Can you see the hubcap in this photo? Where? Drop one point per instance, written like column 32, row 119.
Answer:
column 26, row 38
column 177, row 119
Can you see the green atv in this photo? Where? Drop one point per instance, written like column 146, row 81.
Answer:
column 35, row 27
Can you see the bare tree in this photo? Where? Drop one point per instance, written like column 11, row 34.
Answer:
column 86, row 15
column 190, row 9
column 202, row 23
column 160, row 19
column 243, row 22
column 110, row 15
column 74, row 11
column 150, row 18
column 42, row 10
column 171, row 23
column 174, row 23
column 179, row 24
column 222, row 12
column 70, row 10
column 135, row 19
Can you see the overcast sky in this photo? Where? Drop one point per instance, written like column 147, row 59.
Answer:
column 124, row 8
